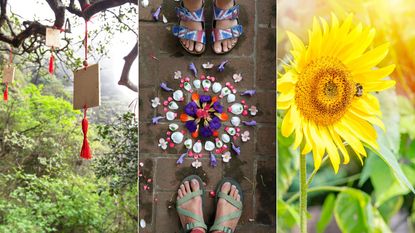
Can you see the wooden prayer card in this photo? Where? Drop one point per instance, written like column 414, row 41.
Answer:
column 8, row 73
column 53, row 37
column 86, row 88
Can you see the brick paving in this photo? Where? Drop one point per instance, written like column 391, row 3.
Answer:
column 254, row 57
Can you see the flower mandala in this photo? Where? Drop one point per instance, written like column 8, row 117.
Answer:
column 210, row 122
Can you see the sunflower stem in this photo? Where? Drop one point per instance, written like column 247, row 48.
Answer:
column 303, row 194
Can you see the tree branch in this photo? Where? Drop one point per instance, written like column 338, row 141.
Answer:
column 129, row 60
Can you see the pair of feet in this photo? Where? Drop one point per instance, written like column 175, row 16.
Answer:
column 222, row 46
column 194, row 205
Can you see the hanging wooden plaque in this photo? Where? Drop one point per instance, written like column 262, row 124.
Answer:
column 87, row 91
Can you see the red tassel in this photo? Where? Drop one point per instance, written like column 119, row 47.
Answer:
column 86, row 150
column 51, row 61
column 6, row 93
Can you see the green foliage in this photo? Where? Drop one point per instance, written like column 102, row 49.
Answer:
column 46, row 204
column 326, row 213
column 120, row 163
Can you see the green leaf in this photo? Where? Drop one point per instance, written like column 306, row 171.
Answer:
column 354, row 212
column 326, row 213
column 390, row 207
column 288, row 216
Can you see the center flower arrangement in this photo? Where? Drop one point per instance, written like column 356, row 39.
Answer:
column 210, row 122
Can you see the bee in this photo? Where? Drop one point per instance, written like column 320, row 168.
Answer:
column 359, row 90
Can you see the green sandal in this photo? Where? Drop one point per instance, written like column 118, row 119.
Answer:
column 199, row 219
column 238, row 204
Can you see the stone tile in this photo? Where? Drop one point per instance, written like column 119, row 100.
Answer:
column 267, row 13
column 266, row 140
column 256, row 228
column 149, row 138
column 265, row 101
column 266, row 192
column 266, row 67
column 146, row 197
column 145, row 13
column 170, row 175
column 145, row 109
column 166, row 219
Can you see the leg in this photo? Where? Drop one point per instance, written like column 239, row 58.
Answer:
column 225, row 208
column 192, row 5
column 225, row 45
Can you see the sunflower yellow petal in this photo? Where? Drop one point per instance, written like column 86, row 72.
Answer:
column 378, row 86
column 373, row 119
column 295, row 41
column 369, row 59
column 339, row 144
column 373, row 75
column 287, row 126
column 331, row 149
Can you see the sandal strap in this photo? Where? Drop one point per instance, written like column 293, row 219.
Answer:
column 186, row 15
column 223, row 34
column 188, row 34
column 189, row 196
column 229, row 199
column 191, row 225
column 228, row 14
column 221, row 228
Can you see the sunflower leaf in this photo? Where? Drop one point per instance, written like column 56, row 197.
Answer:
column 326, row 213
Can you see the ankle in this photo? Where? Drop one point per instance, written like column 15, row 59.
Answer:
column 224, row 4
column 198, row 230
column 193, row 5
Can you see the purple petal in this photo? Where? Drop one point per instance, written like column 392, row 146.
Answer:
column 218, row 108
column 181, row 159
column 249, row 92
column 191, row 109
column 237, row 149
column 205, row 98
column 249, row 123
column 164, row 86
column 221, row 67
column 156, row 119
column 156, row 14
column 215, row 123
column 191, row 126
column 213, row 161
column 205, row 132
column 192, row 67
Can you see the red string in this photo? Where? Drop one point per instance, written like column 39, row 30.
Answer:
column 51, row 61
column 86, row 150
column 6, row 93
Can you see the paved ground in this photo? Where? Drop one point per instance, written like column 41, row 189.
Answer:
column 255, row 168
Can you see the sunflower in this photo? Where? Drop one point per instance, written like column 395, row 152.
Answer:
column 326, row 88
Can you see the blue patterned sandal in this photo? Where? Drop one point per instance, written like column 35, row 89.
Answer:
column 223, row 34
column 183, row 32
column 199, row 222
column 218, row 224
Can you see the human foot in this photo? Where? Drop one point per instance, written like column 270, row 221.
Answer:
column 191, row 19
column 228, row 210
column 226, row 15
column 189, row 205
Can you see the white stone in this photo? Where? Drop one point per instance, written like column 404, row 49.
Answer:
column 188, row 143
column 235, row 121
column 219, row 143
column 225, row 91
column 237, row 108
column 216, row 87
column 197, row 83
column 197, row 147
column 231, row 131
column 177, row 137
column 225, row 138
column 173, row 126
column 209, row 146
column 187, row 86
column 170, row 115
column 142, row 221
column 178, row 95
column 231, row 98
column 173, row 105
column 206, row 84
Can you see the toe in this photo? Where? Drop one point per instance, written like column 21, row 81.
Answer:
column 225, row 46
column 179, row 194
column 230, row 44
column 238, row 198
column 191, row 45
column 217, row 47
column 186, row 43
column 194, row 185
column 226, row 187
column 183, row 189
column 236, row 193
column 187, row 186
column 199, row 47
column 233, row 189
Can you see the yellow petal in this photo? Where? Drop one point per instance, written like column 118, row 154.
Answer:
column 372, row 75
column 331, row 149
column 369, row 59
column 284, row 105
column 298, row 137
column 339, row 144
column 295, row 41
column 369, row 103
column 373, row 119
column 378, row 85
column 287, row 126
column 354, row 143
